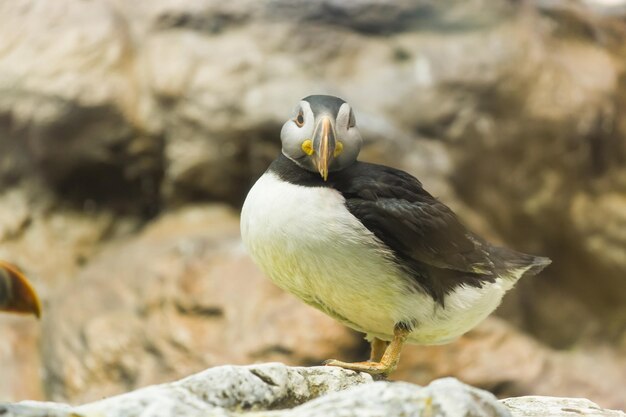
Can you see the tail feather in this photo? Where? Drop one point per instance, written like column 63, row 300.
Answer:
column 537, row 265
column 517, row 264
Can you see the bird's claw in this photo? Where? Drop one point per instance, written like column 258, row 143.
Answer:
column 332, row 362
column 373, row 368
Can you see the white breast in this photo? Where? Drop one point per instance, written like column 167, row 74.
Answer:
column 309, row 244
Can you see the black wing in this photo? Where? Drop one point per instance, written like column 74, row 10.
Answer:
column 394, row 206
column 421, row 231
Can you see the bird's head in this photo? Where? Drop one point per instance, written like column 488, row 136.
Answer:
column 321, row 136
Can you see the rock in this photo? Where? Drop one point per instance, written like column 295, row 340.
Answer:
column 20, row 360
column 280, row 391
column 532, row 406
column 74, row 124
column 50, row 242
column 37, row 409
column 179, row 297
column 381, row 17
column 232, row 389
column 313, row 391
column 444, row 397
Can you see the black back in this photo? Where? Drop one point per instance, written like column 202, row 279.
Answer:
column 427, row 239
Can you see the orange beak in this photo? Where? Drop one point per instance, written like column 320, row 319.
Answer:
column 17, row 295
column 324, row 143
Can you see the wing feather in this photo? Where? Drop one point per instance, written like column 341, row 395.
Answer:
column 394, row 206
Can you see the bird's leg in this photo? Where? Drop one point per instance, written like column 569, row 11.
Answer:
column 378, row 349
column 387, row 363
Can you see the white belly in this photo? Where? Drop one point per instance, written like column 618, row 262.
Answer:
column 309, row 244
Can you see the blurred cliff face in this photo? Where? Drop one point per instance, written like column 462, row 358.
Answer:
column 126, row 126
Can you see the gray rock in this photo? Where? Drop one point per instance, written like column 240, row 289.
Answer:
column 442, row 398
column 36, row 409
column 537, row 406
column 232, row 389
column 275, row 390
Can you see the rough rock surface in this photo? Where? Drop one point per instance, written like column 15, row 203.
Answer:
column 535, row 406
column 279, row 391
column 51, row 243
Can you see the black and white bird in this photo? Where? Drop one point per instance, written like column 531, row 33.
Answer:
column 366, row 244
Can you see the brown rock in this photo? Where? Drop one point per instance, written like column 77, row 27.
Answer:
column 19, row 359
column 180, row 297
column 74, row 120
column 50, row 243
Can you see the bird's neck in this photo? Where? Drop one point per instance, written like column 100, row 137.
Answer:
column 288, row 170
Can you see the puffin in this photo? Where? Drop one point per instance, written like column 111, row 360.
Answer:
column 367, row 244
column 17, row 294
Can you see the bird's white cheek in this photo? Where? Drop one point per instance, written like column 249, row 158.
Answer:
column 293, row 137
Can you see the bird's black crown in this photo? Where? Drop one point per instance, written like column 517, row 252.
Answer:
column 322, row 103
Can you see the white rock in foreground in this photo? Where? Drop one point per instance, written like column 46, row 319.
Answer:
column 539, row 406
column 276, row 390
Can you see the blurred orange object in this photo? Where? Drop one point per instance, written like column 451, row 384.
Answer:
column 17, row 295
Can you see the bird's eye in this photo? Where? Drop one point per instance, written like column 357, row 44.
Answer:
column 300, row 119
column 351, row 120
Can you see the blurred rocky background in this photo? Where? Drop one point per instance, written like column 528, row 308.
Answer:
column 130, row 133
